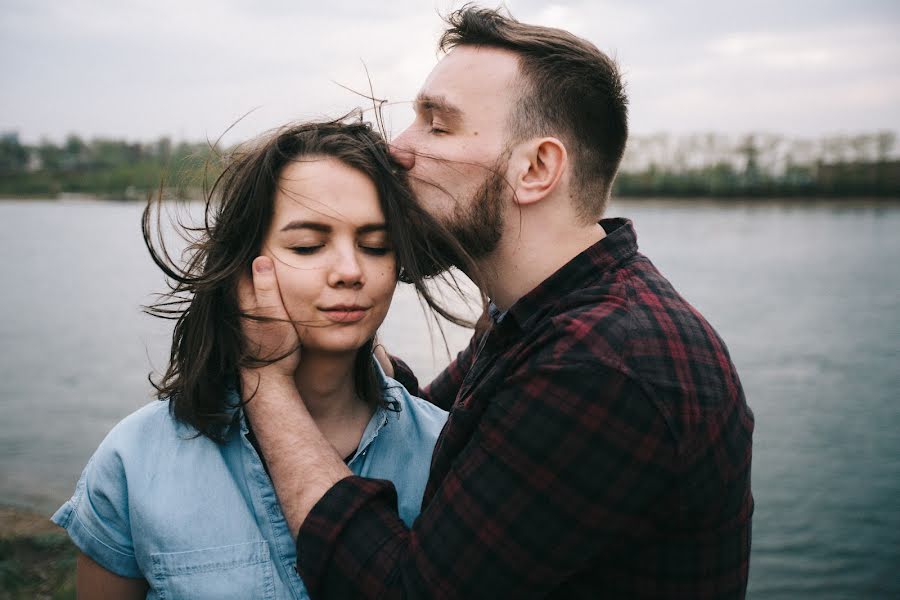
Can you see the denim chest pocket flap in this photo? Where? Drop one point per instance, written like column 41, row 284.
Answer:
column 236, row 571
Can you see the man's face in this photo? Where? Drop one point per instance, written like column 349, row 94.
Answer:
column 455, row 150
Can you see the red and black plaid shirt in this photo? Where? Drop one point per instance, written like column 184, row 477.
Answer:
column 598, row 445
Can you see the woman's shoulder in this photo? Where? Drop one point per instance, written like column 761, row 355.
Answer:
column 154, row 413
column 140, row 489
column 413, row 413
column 151, row 426
column 395, row 392
column 153, row 420
column 142, row 454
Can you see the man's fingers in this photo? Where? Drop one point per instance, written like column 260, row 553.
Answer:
column 383, row 359
column 270, row 336
column 265, row 287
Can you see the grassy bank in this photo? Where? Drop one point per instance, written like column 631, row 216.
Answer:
column 37, row 560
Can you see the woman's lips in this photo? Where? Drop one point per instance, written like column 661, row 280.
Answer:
column 345, row 314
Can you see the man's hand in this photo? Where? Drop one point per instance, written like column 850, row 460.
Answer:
column 272, row 338
column 302, row 464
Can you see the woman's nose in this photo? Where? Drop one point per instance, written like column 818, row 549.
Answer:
column 346, row 271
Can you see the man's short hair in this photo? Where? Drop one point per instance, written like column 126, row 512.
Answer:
column 571, row 90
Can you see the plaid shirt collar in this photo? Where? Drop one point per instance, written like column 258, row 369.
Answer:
column 619, row 245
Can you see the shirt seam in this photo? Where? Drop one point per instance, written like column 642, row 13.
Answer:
column 94, row 536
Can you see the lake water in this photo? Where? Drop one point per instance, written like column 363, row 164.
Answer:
column 807, row 296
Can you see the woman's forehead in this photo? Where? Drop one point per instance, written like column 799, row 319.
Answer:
column 326, row 190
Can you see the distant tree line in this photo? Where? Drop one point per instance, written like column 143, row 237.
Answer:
column 115, row 169
column 703, row 165
column 760, row 165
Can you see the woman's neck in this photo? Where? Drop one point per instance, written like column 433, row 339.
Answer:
column 326, row 385
column 325, row 382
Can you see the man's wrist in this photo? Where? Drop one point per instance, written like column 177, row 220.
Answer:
column 291, row 443
column 255, row 381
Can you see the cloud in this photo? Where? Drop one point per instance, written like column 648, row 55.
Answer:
column 140, row 69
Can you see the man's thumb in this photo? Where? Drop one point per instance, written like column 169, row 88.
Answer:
column 264, row 283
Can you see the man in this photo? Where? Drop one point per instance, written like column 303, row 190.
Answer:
column 599, row 442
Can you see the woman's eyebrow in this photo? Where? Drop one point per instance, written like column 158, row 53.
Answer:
column 322, row 227
column 371, row 227
column 325, row 228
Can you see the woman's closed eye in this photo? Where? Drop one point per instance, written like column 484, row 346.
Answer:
column 373, row 249
column 376, row 250
column 306, row 250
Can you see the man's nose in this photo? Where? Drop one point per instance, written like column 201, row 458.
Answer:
column 401, row 151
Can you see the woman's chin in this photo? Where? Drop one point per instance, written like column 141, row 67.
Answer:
column 341, row 343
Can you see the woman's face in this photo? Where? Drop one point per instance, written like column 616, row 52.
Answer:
column 334, row 262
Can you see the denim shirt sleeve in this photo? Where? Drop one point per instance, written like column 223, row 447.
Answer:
column 96, row 517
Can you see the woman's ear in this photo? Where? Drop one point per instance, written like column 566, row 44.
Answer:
column 538, row 166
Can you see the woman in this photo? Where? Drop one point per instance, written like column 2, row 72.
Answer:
column 176, row 501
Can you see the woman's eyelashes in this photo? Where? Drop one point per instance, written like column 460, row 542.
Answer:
column 377, row 250
column 368, row 248
column 305, row 250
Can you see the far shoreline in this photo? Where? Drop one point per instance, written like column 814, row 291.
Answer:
column 17, row 522
column 820, row 200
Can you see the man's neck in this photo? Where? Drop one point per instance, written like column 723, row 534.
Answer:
column 528, row 255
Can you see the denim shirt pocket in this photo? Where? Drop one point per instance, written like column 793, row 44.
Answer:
column 237, row 571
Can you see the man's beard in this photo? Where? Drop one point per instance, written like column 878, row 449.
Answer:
column 478, row 224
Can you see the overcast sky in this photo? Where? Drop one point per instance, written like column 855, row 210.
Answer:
column 140, row 69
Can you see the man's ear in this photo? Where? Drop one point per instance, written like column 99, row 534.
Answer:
column 538, row 167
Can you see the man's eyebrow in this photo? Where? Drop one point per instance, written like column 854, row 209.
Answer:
column 438, row 104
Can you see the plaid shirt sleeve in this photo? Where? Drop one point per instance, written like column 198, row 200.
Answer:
column 563, row 464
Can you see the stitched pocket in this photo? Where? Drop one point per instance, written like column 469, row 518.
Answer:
column 240, row 571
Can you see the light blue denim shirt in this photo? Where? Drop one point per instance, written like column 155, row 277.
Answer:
column 198, row 519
